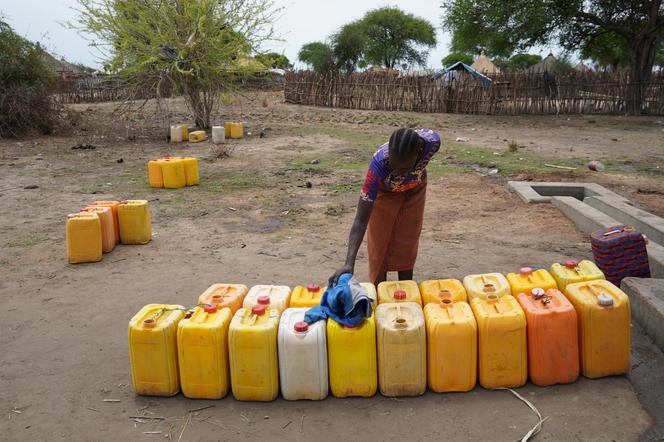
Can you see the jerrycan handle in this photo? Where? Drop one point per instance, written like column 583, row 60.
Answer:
column 400, row 321
column 603, row 299
column 151, row 322
column 492, row 300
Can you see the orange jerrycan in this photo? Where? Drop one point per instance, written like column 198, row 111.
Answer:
column 553, row 342
column 203, row 352
column 135, row 223
column 502, row 355
column 173, row 172
column 451, row 346
column 153, row 350
column 481, row 286
column 308, row 296
column 252, row 347
column 224, row 295
column 402, row 355
column 84, row 243
column 274, row 296
column 114, row 211
column 572, row 272
column 352, row 358
column 528, row 279
column 438, row 289
column 604, row 327
column 105, row 215
column 191, row 171
column 155, row 177
column 399, row 291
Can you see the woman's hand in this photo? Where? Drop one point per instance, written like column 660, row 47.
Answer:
column 335, row 277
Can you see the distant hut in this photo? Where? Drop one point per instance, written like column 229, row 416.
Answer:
column 485, row 66
column 547, row 64
column 580, row 67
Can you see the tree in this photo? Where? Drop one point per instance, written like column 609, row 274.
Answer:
column 395, row 37
column 348, row 46
column 318, row 55
column 501, row 27
column 455, row 56
column 197, row 46
column 519, row 62
column 274, row 60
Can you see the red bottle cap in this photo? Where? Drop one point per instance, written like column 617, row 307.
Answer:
column 525, row 271
column 264, row 300
column 258, row 309
column 210, row 308
column 399, row 295
column 313, row 287
column 301, row 327
column 571, row 264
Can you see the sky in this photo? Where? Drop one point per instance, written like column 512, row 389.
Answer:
column 301, row 21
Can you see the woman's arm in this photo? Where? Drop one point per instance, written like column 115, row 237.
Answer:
column 355, row 238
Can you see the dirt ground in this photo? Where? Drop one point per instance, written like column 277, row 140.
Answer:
column 278, row 210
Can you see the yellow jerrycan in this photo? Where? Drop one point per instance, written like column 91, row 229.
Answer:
column 134, row 221
column 604, row 327
column 399, row 291
column 451, row 346
column 308, row 296
column 191, row 176
column 153, row 350
column 481, row 286
column 155, row 177
column 352, row 358
column 106, row 221
column 237, row 130
column 502, row 354
column 401, row 343
column 274, row 296
column 571, row 272
column 438, row 289
column 224, row 295
column 528, row 279
column 197, row 136
column 203, row 352
column 173, row 173
column 84, row 238
column 252, row 348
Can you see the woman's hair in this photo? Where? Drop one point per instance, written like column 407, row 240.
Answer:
column 404, row 143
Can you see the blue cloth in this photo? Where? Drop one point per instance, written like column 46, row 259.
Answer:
column 346, row 302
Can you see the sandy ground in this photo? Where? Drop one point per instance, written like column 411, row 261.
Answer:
column 254, row 219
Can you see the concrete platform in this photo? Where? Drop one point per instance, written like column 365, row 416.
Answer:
column 542, row 192
column 647, row 301
column 650, row 225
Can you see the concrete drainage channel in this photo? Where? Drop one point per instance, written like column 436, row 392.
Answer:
column 592, row 207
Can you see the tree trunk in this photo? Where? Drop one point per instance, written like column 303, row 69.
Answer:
column 642, row 58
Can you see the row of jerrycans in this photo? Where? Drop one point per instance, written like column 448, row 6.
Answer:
column 173, row 172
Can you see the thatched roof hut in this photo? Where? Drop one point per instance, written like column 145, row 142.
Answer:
column 484, row 65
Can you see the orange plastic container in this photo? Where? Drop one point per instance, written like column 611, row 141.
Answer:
column 105, row 215
column 224, row 295
column 308, row 296
column 114, row 210
column 553, row 342
column 438, row 289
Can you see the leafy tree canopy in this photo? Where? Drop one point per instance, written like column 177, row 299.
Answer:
column 274, row 60
column 455, row 56
column 318, row 55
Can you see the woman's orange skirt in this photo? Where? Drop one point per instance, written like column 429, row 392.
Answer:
column 394, row 230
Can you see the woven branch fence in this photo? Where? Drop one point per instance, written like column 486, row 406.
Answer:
column 508, row 94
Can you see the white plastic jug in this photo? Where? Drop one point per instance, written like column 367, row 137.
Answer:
column 218, row 134
column 176, row 134
column 302, row 356
column 274, row 296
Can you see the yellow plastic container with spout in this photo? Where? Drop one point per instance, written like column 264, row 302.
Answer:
column 502, row 354
column 571, row 272
column 224, row 295
column 399, row 291
column 528, row 279
column 155, row 177
column 481, row 286
column 308, row 296
column 173, row 173
column 203, row 352
column 237, row 130
column 351, row 353
column 197, row 136
column 153, row 350
column 402, row 354
column 252, row 348
column 227, row 129
column 106, row 221
column 134, row 221
column 603, row 312
column 451, row 346
column 185, row 131
column 438, row 289
column 84, row 240
column 191, row 171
